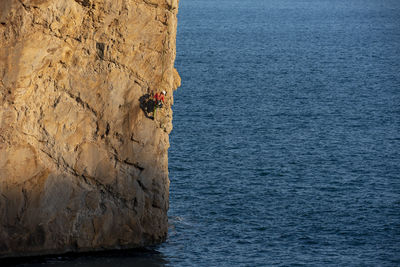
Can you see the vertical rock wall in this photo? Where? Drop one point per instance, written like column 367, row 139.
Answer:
column 81, row 167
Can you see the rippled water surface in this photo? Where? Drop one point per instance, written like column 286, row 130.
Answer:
column 286, row 142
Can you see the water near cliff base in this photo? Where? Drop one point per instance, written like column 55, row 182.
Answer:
column 286, row 142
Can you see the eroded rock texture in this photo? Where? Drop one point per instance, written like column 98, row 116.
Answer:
column 81, row 167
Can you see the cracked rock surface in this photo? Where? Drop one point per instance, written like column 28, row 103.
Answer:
column 81, row 167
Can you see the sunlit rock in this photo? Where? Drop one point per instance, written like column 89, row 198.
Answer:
column 81, row 166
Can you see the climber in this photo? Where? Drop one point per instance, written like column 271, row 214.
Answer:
column 159, row 99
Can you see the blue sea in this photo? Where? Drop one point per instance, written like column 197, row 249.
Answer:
column 286, row 142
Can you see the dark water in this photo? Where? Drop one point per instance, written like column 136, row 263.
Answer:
column 286, row 142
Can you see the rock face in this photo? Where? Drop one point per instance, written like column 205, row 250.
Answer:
column 81, row 167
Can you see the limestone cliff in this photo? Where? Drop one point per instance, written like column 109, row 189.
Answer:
column 81, row 167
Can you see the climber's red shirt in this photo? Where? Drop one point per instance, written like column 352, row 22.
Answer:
column 159, row 97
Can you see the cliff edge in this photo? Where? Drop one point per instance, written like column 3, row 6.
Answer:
column 81, row 166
